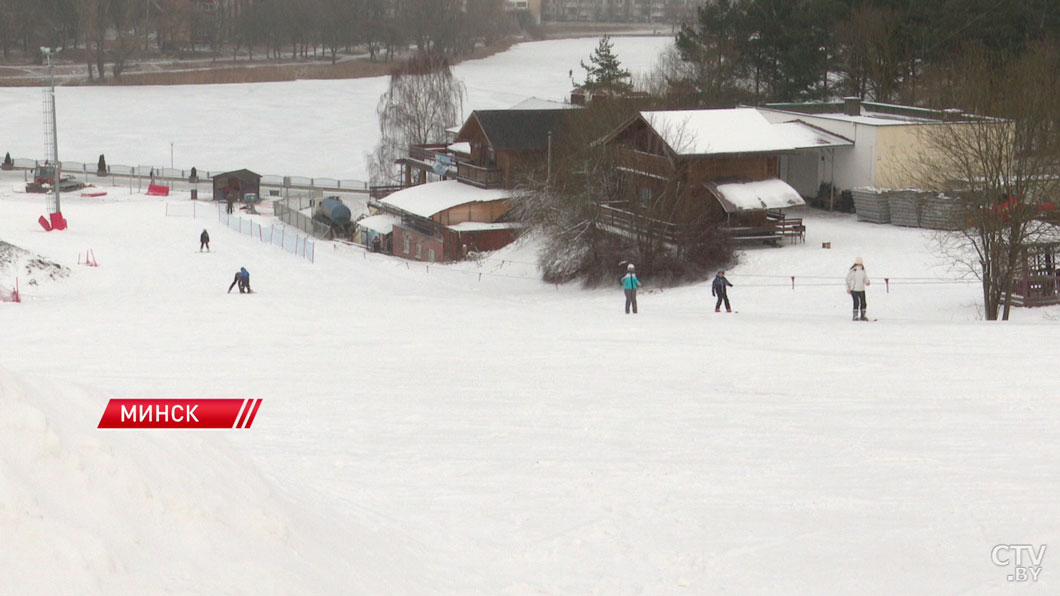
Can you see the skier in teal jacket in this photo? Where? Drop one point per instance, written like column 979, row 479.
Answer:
column 630, row 283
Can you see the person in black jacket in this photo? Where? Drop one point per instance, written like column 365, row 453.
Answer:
column 718, row 289
column 204, row 240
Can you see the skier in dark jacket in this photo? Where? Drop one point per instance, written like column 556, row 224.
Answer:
column 242, row 278
column 204, row 240
column 718, row 289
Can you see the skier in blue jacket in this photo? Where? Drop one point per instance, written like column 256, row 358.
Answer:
column 243, row 279
column 630, row 283
column 718, row 289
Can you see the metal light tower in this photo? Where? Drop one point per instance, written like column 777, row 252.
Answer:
column 51, row 138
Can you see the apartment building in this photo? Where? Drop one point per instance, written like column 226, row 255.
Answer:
column 636, row 11
column 532, row 7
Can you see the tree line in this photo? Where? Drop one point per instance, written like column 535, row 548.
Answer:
column 758, row 51
column 111, row 32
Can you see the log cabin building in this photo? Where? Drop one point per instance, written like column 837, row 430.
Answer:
column 491, row 149
column 687, row 170
column 454, row 197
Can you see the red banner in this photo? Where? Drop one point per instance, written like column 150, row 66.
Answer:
column 192, row 413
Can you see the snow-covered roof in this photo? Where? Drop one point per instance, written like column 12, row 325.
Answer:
column 382, row 223
column 763, row 194
column 736, row 130
column 803, row 136
column 876, row 114
column 426, row 200
column 536, row 103
column 478, row 226
column 461, row 147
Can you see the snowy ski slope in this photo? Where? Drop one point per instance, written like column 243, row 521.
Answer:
column 434, row 431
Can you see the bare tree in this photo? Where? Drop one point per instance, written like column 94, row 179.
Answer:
column 1004, row 169
column 128, row 21
column 422, row 100
column 487, row 22
column 94, row 22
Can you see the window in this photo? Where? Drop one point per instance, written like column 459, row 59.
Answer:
column 644, row 197
column 406, row 244
column 430, row 255
column 419, row 250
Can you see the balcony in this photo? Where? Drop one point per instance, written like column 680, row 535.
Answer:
column 425, row 156
column 469, row 173
column 646, row 164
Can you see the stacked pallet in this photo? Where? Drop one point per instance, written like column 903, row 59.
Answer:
column 871, row 205
column 940, row 212
column 905, row 208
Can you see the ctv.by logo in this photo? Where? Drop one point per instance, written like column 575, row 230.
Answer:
column 1025, row 558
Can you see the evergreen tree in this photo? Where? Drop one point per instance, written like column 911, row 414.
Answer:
column 606, row 74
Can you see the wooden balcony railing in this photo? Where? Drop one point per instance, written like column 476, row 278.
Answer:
column 479, row 176
column 644, row 163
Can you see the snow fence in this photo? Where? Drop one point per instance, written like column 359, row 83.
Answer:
column 281, row 236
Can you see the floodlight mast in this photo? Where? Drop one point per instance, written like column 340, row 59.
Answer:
column 53, row 141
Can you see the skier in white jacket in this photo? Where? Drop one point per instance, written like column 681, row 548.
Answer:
column 857, row 280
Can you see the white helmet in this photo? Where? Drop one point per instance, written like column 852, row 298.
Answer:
column 630, row 267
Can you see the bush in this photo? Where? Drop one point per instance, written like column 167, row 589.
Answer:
column 599, row 259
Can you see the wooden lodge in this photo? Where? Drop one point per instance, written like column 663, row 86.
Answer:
column 687, row 170
column 491, row 150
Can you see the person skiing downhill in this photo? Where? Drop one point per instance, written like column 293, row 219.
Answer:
column 857, row 281
column 718, row 289
column 204, row 240
column 630, row 283
column 243, row 279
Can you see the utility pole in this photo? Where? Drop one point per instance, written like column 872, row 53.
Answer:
column 548, row 177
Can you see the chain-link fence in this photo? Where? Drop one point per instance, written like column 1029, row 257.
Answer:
column 287, row 239
column 301, row 221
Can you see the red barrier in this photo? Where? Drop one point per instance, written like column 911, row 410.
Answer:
column 43, row 221
column 157, row 190
column 58, row 222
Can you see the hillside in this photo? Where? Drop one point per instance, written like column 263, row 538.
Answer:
column 496, row 435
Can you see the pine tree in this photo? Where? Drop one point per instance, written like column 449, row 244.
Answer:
column 606, row 74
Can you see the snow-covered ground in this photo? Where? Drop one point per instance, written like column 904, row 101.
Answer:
column 431, row 430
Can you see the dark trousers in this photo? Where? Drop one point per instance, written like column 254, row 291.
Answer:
column 202, row 244
column 631, row 300
column 859, row 300
column 722, row 297
column 244, row 286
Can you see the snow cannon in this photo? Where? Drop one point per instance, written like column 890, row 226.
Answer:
column 331, row 210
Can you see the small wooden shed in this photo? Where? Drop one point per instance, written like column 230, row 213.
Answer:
column 237, row 184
